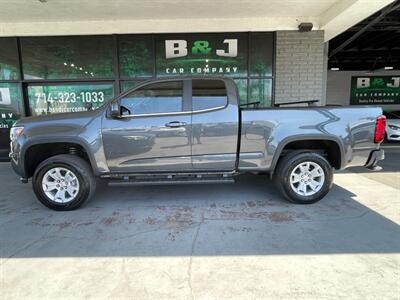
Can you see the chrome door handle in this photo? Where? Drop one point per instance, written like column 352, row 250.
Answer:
column 175, row 124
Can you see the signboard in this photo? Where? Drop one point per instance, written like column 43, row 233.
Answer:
column 375, row 90
column 202, row 54
column 51, row 99
column 11, row 107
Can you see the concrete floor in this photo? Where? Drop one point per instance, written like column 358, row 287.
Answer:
column 240, row 241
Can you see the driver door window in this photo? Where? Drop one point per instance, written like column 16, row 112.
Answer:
column 162, row 97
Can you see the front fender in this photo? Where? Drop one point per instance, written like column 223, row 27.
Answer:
column 57, row 140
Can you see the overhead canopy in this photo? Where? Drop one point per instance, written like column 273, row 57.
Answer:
column 62, row 17
column 373, row 44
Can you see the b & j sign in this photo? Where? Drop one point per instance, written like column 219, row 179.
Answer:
column 375, row 90
column 202, row 55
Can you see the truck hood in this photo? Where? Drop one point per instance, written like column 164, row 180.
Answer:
column 57, row 125
column 64, row 117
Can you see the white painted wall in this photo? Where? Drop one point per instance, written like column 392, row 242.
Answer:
column 77, row 17
column 339, row 82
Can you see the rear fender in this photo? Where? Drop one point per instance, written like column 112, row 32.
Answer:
column 302, row 138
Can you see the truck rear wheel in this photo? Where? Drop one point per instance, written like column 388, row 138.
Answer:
column 304, row 177
column 63, row 182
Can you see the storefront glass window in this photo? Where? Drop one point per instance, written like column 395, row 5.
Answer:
column 77, row 73
column 92, row 57
column 242, row 90
column 50, row 99
column 8, row 59
column 261, row 54
column 11, row 109
column 11, row 104
column 67, row 57
column 136, row 56
column 222, row 54
column 127, row 85
column 261, row 90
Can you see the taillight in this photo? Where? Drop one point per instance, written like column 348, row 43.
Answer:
column 380, row 128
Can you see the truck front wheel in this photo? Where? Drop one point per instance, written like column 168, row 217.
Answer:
column 63, row 182
column 303, row 177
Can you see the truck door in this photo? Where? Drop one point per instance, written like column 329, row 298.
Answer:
column 153, row 132
column 215, row 124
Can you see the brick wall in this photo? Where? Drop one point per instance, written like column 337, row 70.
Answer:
column 301, row 66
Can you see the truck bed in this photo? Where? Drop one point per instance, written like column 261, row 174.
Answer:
column 267, row 131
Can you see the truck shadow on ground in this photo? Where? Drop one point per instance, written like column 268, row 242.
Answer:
column 246, row 218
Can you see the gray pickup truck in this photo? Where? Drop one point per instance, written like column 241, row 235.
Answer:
column 192, row 130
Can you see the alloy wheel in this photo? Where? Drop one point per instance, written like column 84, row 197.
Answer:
column 60, row 185
column 307, row 178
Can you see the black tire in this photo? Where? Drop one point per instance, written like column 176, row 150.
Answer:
column 288, row 163
column 80, row 168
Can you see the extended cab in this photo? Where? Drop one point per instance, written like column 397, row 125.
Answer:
column 192, row 130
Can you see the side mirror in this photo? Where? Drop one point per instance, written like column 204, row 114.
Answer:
column 115, row 110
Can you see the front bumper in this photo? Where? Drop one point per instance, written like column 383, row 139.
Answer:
column 16, row 164
column 374, row 158
column 392, row 135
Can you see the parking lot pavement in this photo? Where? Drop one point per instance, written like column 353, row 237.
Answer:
column 203, row 242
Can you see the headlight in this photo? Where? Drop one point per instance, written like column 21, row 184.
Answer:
column 394, row 127
column 15, row 132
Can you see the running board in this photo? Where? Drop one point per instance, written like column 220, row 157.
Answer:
column 171, row 179
column 170, row 182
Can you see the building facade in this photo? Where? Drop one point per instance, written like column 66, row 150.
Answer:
column 55, row 62
column 58, row 74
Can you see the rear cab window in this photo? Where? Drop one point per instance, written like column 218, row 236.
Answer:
column 208, row 94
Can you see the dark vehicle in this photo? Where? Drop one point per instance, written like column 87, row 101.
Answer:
column 192, row 130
